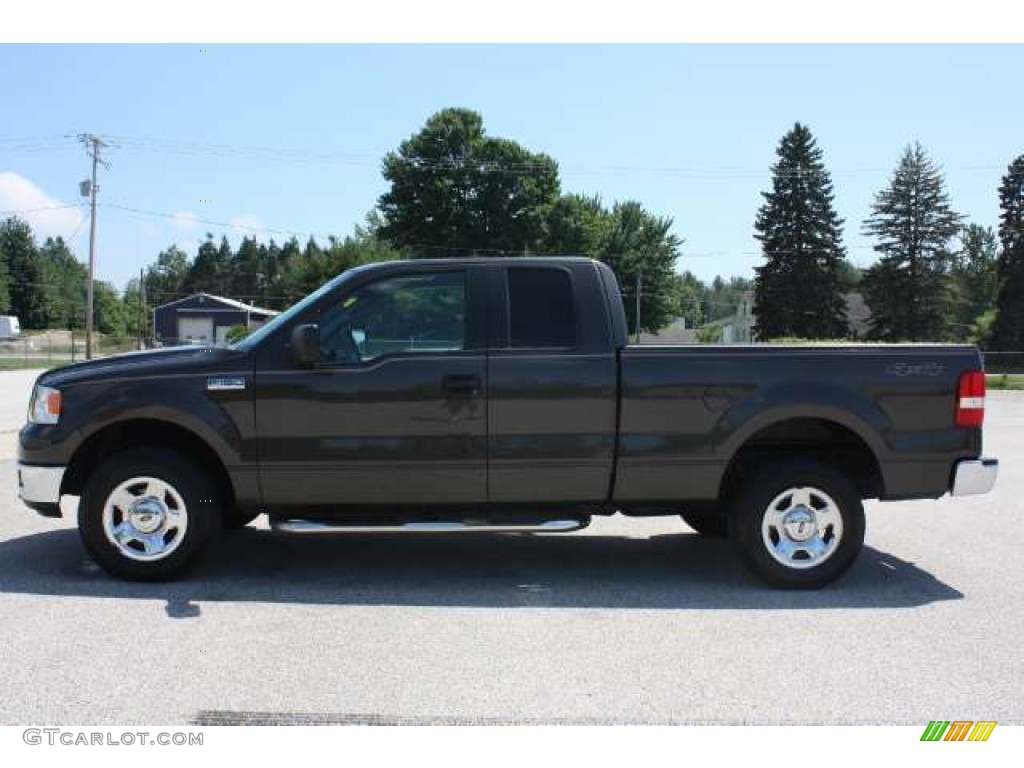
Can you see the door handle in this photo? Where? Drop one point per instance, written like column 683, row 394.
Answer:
column 462, row 385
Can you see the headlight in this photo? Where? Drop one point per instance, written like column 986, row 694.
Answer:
column 44, row 407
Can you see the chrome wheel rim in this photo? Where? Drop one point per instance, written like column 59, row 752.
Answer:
column 145, row 518
column 802, row 527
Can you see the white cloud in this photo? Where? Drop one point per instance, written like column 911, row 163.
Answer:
column 186, row 220
column 42, row 212
column 246, row 225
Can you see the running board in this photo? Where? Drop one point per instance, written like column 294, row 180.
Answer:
column 548, row 526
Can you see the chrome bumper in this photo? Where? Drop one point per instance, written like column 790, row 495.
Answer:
column 39, row 485
column 974, row 476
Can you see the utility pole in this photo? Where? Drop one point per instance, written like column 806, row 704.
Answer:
column 142, row 309
column 93, row 145
column 639, row 288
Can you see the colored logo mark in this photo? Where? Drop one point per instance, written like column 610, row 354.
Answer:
column 958, row 730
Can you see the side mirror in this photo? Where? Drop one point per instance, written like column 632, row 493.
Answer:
column 306, row 344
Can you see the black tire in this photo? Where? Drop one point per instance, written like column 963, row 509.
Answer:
column 189, row 486
column 709, row 520
column 751, row 523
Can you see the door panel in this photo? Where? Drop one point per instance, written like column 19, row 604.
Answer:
column 552, row 388
column 552, row 427
column 395, row 413
column 387, row 433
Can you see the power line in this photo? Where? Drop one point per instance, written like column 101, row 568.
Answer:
column 423, row 246
column 264, row 153
column 15, row 212
column 465, row 249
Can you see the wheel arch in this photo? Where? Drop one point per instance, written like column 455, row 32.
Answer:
column 138, row 432
column 832, row 435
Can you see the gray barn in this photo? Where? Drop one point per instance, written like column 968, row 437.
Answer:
column 204, row 319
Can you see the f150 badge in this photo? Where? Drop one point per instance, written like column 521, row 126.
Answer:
column 218, row 383
column 905, row 369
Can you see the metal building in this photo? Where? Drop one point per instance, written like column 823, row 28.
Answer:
column 203, row 318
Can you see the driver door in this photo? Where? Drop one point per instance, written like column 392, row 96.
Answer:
column 395, row 411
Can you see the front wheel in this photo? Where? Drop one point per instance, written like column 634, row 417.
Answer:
column 146, row 514
column 798, row 524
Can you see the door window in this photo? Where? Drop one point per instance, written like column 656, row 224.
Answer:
column 402, row 314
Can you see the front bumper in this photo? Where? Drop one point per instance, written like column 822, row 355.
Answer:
column 39, row 488
column 974, row 476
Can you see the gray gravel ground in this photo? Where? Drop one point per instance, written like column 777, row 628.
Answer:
column 628, row 621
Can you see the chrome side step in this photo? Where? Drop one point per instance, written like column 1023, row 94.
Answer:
column 548, row 526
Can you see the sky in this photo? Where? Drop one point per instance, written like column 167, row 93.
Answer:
column 289, row 138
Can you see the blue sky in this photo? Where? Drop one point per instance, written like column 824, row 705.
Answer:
column 688, row 130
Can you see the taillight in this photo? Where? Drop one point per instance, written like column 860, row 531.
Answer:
column 970, row 399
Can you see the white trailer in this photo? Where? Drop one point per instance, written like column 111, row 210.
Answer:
column 9, row 327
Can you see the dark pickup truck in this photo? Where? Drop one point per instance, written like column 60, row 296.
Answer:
column 497, row 395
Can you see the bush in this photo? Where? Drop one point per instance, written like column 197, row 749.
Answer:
column 237, row 333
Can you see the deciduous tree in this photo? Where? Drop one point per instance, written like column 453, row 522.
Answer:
column 455, row 191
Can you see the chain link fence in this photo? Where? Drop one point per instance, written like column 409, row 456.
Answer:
column 1004, row 362
column 54, row 348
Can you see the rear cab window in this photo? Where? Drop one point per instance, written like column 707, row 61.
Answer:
column 542, row 308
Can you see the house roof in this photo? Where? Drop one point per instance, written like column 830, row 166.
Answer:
column 223, row 300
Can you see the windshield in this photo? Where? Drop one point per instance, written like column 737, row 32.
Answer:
column 254, row 338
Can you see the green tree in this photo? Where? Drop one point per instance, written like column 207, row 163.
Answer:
column 65, row 285
column 640, row 243
column 5, row 275
column 270, row 256
column 850, row 277
column 690, row 296
column 975, row 278
column 136, row 320
column 110, row 315
column 247, row 271
column 26, row 281
column 576, row 225
column 722, row 297
column 166, row 280
column 1008, row 328
column 457, row 191
column 211, row 270
column 798, row 290
column 908, row 288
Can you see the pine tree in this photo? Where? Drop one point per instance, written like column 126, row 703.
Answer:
column 798, row 290
column 246, row 271
column 211, row 271
column 1008, row 331
column 908, row 290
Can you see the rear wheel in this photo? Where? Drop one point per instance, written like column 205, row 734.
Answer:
column 147, row 514
column 798, row 524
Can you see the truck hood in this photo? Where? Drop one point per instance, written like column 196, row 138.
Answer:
column 145, row 362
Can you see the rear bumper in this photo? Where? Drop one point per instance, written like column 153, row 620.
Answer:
column 974, row 476
column 39, row 488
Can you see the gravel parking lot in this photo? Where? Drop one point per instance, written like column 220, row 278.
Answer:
column 628, row 621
